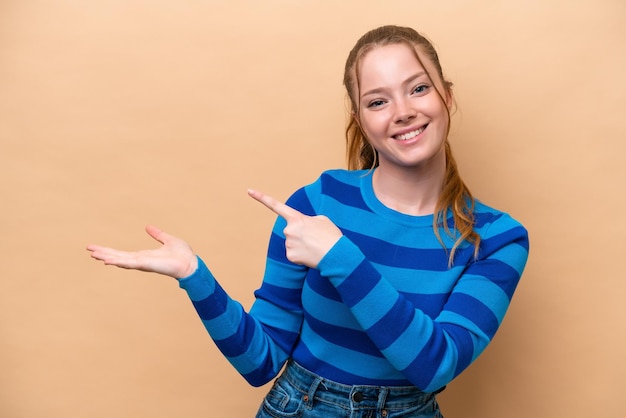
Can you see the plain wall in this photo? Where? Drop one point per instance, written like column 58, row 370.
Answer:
column 115, row 114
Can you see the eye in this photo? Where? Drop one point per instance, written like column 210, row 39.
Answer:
column 375, row 103
column 421, row 89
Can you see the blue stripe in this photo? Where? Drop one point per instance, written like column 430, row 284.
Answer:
column 354, row 288
column 386, row 253
column 289, row 298
column 481, row 219
column 351, row 339
column 347, row 194
column 322, row 286
column 507, row 277
column 464, row 346
column 485, row 218
column 231, row 346
column 428, row 361
column 213, row 306
column 328, row 311
column 306, row 358
column 300, row 201
column 283, row 338
column 516, row 235
column 276, row 249
column 429, row 304
column 392, row 325
column 260, row 375
column 475, row 311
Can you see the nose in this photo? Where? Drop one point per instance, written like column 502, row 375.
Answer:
column 404, row 111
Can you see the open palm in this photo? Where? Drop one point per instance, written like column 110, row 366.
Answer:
column 173, row 258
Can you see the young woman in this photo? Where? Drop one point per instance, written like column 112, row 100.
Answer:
column 384, row 281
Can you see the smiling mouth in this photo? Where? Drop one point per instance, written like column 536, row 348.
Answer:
column 410, row 135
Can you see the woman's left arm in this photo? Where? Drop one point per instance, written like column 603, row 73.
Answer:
column 431, row 352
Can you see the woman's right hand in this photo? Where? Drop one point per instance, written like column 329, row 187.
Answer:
column 174, row 258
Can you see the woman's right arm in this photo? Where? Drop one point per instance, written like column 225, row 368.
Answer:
column 256, row 343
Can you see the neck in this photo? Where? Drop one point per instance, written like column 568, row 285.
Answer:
column 410, row 191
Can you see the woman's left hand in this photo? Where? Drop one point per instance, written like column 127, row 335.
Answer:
column 307, row 238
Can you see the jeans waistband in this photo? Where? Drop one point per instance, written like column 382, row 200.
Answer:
column 354, row 396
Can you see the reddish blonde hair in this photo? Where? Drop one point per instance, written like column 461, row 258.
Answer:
column 455, row 197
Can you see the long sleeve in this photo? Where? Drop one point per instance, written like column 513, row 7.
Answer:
column 430, row 352
column 258, row 343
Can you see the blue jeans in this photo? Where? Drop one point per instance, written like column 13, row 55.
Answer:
column 301, row 393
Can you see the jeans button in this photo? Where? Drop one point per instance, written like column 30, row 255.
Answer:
column 357, row 396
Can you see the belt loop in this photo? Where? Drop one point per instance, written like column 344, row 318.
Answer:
column 382, row 399
column 308, row 398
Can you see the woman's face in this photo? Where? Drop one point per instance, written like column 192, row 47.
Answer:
column 400, row 112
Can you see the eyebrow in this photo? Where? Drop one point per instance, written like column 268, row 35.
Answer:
column 407, row 81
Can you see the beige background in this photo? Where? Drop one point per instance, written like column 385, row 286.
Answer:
column 119, row 113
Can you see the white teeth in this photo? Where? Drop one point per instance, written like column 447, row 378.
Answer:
column 410, row 135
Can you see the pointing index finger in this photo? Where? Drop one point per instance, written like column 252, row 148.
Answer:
column 274, row 205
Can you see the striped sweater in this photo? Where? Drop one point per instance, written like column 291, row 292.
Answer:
column 383, row 306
